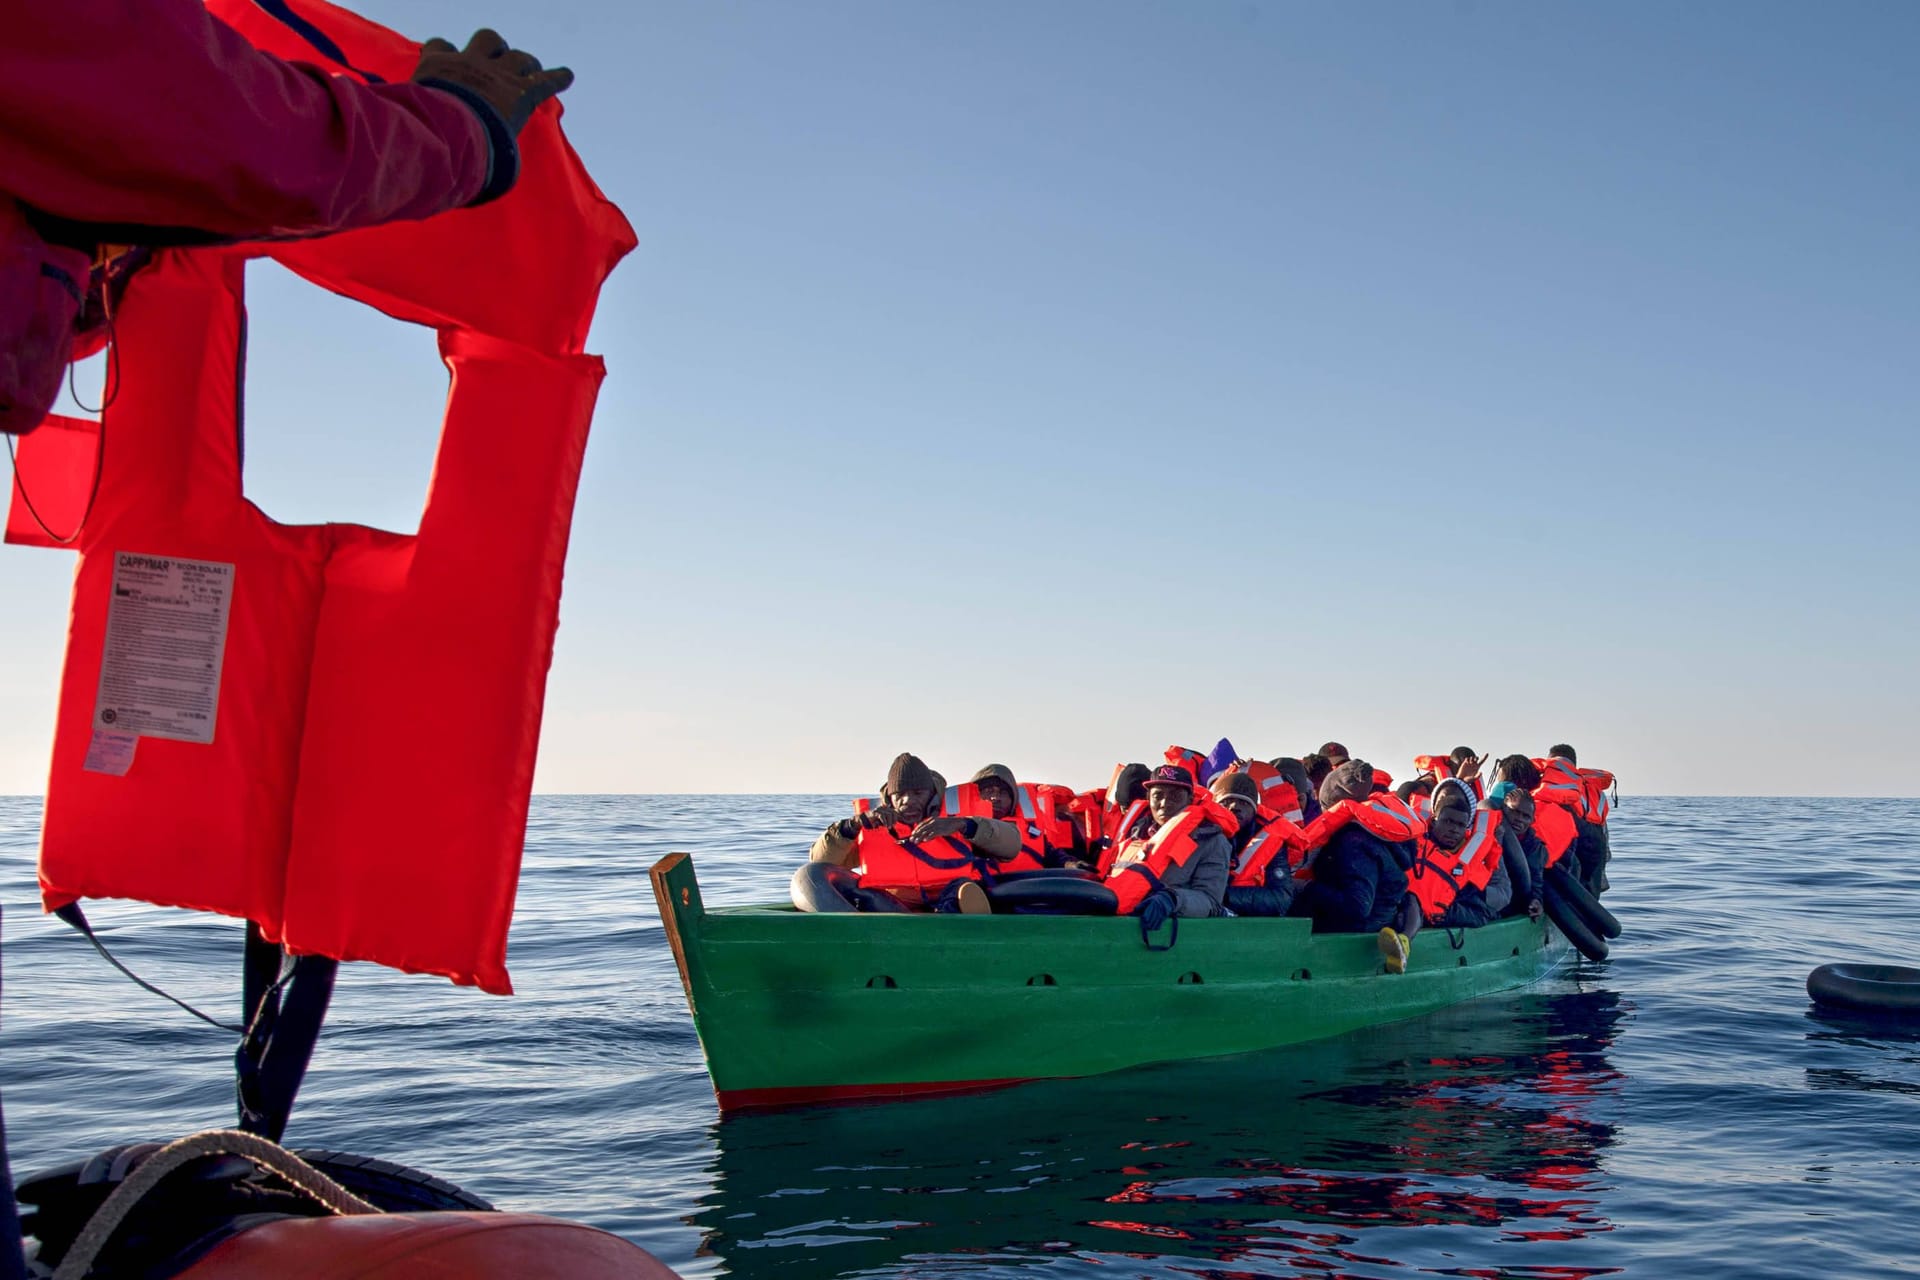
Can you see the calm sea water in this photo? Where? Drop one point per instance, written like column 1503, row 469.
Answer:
column 1674, row 1111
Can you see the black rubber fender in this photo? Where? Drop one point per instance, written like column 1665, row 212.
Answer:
column 1867, row 988
column 824, row 886
column 1571, row 923
column 1063, row 893
column 1598, row 918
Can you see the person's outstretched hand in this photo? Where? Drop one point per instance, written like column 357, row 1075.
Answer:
column 509, row 80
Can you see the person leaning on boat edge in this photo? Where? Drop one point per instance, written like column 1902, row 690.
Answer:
column 899, row 856
column 171, row 129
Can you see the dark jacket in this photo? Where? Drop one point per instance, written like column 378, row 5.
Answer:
column 1358, row 881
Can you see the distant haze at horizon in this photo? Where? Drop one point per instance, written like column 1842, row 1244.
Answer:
column 1408, row 376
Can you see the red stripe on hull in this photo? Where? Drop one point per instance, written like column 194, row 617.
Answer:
column 804, row 1095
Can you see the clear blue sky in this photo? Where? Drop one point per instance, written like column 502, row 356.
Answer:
column 1049, row 382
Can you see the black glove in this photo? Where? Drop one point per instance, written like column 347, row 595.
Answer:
column 848, row 828
column 506, row 79
column 1156, row 909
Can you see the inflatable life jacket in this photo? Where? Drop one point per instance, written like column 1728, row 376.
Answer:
column 327, row 729
column 1053, row 806
column 965, row 801
column 892, row 863
column 1439, row 874
column 1582, row 790
column 1441, row 767
column 1274, row 838
column 1194, row 762
column 1277, row 795
column 1554, row 824
column 1383, row 813
column 1169, row 847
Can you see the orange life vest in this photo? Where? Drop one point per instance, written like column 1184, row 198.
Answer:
column 1582, row 790
column 1439, row 874
column 891, row 862
column 1171, row 846
column 1383, row 813
column 1275, row 837
column 1441, row 767
column 1277, row 795
column 1119, row 822
column 965, row 801
column 344, row 749
column 1553, row 823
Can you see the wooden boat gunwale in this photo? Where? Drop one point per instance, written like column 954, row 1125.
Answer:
column 794, row 1007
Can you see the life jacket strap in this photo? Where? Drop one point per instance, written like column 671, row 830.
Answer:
column 73, row 915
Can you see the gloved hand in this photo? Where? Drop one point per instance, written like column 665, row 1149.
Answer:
column 505, row 78
column 847, row 828
column 1156, row 909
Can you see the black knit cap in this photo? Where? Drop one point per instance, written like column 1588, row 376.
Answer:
column 908, row 773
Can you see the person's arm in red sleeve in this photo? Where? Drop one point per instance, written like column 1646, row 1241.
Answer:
column 152, row 113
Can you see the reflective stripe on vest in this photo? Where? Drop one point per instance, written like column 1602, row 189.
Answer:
column 1474, row 861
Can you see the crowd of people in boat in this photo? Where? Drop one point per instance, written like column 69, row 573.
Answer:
column 1323, row 836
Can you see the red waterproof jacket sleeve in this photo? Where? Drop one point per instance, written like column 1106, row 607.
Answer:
column 153, row 112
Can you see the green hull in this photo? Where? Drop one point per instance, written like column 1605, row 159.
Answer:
column 794, row 1007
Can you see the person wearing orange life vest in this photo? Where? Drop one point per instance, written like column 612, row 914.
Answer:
column 1460, row 877
column 1461, row 763
column 1363, row 844
column 1553, row 822
column 993, row 793
column 1124, row 806
column 1266, row 850
column 903, row 858
column 1175, row 860
column 1561, row 769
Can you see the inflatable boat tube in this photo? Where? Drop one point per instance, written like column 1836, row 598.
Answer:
column 1867, row 988
column 1598, row 918
column 827, row 886
column 1571, row 923
column 1052, row 893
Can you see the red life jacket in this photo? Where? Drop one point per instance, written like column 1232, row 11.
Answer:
column 1383, row 813
column 1553, row 823
column 1439, row 874
column 1277, row 795
column 965, row 801
column 891, row 862
column 1441, row 767
column 1275, row 837
column 353, row 772
column 1053, row 807
column 1119, row 822
column 1171, row 846
column 1194, row 762
column 1582, row 790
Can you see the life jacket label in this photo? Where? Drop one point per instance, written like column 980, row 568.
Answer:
column 165, row 645
column 111, row 753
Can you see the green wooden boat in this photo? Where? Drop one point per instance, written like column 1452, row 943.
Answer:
column 794, row 1007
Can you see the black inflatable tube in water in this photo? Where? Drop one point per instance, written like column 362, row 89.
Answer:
column 1571, row 923
column 1867, row 988
column 1059, row 893
column 1598, row 918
